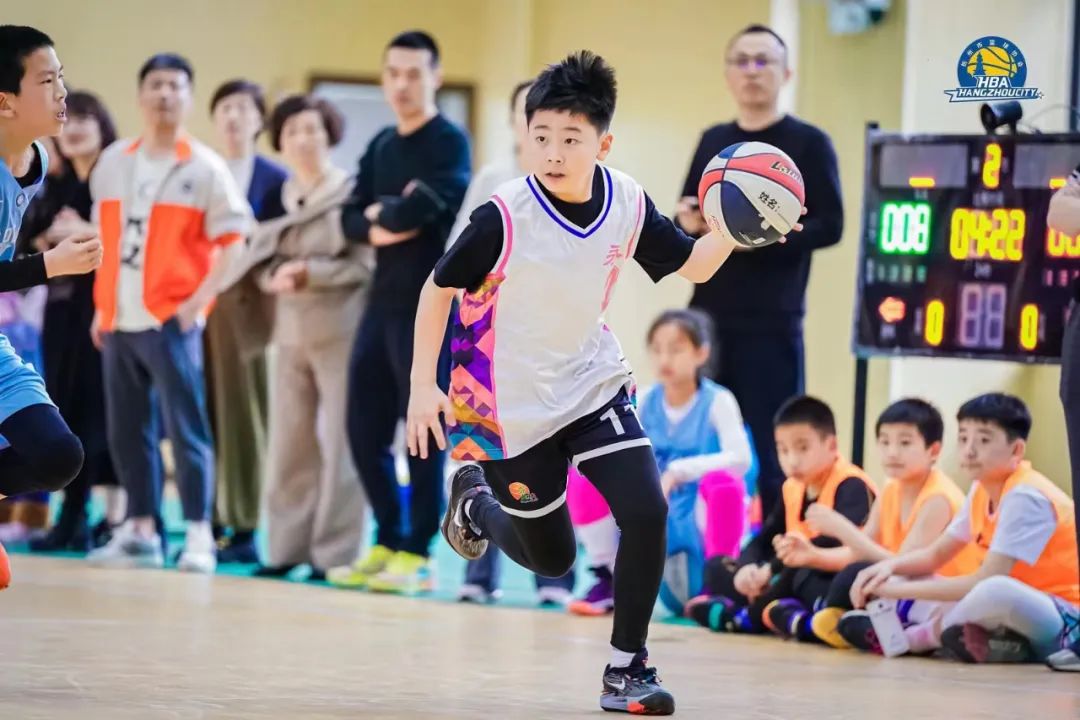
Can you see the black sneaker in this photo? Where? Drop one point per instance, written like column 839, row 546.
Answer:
column 463, row 536
column 790, row 619
column 237, row 548
column 635, row 690
column 856, row 628
column 972, row 643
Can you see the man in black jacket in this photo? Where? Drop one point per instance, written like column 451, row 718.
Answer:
column 757, row 299
column 411, row 182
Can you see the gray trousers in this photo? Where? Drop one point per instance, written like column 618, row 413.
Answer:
column 314, row 504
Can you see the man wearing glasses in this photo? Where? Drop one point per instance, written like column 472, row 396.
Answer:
column 757, row 299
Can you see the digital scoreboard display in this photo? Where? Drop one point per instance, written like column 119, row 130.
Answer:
column 956, row 259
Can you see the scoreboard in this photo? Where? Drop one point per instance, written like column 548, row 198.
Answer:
column 956, row 259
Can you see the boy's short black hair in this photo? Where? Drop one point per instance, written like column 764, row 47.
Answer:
column 17, row 42
column 332, row 118
column 166, row 61
column 582, row 84
column 759, row 28
column 417, row 40
column 913, row 411
column 240, row 86
column 806, row 410
column 1008, row 412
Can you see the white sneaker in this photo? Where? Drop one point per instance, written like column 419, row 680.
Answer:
column 127, row 549
column 200, row 552
column 476, row 594
column 553, row 595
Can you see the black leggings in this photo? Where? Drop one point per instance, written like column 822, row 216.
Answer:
column 839, row 595
column 44, row 454
column 620, row 464
column 807, row 585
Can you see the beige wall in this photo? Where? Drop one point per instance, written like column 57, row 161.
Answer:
column 278, row 43
column 843, row 84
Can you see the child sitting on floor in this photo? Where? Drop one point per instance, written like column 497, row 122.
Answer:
column 771, row 585
column 1020, row 604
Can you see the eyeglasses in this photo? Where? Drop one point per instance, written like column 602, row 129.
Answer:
column 746, row 62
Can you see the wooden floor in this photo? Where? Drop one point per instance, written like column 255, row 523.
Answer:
column 82, row 644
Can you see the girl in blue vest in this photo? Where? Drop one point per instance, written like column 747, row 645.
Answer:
column 704, row 454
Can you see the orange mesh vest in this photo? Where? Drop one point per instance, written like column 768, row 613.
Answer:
column 894, row 530
column 795, row 495
column 1055, row 571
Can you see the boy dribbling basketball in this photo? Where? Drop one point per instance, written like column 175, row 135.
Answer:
column 538, row 381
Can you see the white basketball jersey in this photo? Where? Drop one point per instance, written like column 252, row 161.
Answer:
column 531, row 352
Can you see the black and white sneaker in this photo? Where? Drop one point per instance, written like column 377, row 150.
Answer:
column 635, row 690
column 463, row 536
column 973, row 643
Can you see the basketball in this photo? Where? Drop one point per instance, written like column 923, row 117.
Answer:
column 753, row 191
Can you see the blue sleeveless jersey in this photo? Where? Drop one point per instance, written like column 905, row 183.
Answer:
column 20, row 385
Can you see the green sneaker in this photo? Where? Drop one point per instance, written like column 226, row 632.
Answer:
column 357, row 575
column 405, row 574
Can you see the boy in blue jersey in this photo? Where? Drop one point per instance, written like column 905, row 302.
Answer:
column 39, row 452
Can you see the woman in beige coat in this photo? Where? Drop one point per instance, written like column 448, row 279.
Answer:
column 313, row 499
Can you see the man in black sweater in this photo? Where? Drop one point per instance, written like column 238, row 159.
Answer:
column 411, row 182
column 757, row 299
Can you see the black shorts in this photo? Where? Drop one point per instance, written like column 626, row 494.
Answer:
column 533, row 484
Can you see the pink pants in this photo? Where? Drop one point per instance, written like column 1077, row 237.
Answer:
column 725, row 508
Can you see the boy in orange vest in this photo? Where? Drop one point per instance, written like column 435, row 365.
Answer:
column 761, row 590
column 916, row 505
column 1021, row 603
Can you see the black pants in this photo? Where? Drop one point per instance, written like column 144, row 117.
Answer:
column 528, row 519
column 839, row 595
column 1070, row 399
column 807, row 585
column 762, row 371
column 379, row 371
column 44, row 455
column 73, row 378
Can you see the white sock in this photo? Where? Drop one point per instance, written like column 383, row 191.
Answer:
column 465, row 512
column 620, row 659
column 601, row 541
column 115, row 504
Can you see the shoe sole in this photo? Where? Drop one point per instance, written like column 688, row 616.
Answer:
column 399, row 590
column 587, row 609
column 195, row 569
column 861, row 637
column 448, row 519
column 827, row 629
column 974, row 644
column 660, row 703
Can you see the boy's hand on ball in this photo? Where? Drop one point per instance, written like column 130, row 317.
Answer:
column 797, row 227
column 690, row 218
